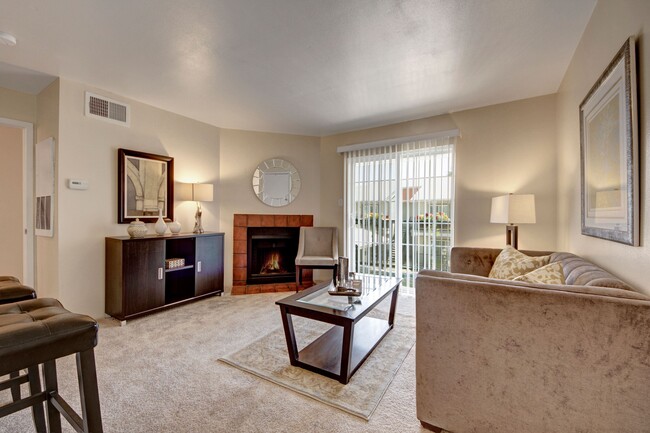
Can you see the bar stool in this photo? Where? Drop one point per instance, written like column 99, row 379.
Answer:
column 39, row 331
column 11, row 290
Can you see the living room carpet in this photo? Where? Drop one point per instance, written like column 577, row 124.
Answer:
column 267, row 358
column 160, row 374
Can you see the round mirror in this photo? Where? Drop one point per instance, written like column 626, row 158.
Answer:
column 276, row 182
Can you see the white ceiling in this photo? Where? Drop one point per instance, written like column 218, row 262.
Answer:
column 314, row 67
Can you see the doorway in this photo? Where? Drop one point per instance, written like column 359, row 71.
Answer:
column 16, row 195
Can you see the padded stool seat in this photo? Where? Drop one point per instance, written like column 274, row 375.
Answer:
column 37, row 332
column 12, row 291
column 32, row 332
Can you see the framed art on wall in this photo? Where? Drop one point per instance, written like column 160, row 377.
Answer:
column 145, row 186
column 609, row 153
column 44, row 188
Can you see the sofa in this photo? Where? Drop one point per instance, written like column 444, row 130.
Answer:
column 518, row 357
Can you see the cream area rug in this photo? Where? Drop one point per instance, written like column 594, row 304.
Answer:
column 267, row 358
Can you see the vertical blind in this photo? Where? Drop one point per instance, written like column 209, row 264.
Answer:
column 399, row 207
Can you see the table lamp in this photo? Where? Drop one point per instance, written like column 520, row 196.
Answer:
column 513, row 209
column 197, row 192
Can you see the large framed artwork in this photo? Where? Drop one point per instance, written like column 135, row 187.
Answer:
column 609, row 153
column 145, row 186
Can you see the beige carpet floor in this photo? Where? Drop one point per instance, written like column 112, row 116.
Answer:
column 160, row 374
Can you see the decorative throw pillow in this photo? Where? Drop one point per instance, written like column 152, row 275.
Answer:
column 511, row 264
column 549, row 274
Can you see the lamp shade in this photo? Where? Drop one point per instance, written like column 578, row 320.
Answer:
column 513, row 209
column 194, row 191
column 202, row 192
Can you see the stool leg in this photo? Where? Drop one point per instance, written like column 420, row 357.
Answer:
column 51, row 385
column 15, row 388
column 34, row 388
column 89, row 393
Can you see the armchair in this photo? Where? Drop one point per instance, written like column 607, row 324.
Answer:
column 318, row 248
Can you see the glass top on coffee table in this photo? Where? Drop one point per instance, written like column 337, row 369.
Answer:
column 372, row 288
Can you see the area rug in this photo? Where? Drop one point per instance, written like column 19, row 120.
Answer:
column 267, row 358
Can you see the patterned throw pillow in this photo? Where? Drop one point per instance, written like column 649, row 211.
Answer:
column 549, row 274
column 511, row 264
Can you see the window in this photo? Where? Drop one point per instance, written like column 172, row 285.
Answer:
column 399, row 207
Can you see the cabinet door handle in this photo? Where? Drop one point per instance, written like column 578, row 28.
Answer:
column 198, row 267
column 160, row 273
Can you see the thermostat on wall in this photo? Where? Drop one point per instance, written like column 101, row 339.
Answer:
column 77, row 184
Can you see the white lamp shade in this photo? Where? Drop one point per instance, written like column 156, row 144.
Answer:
column 202, row 192
column 194, row 191
column 513, row 209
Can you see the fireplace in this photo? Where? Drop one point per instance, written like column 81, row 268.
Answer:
column 242, row 245
column 271, row 254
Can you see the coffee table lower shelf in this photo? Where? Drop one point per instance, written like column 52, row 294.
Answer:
column 323, row 355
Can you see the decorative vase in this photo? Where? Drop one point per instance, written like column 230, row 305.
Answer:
column 137, row 229
column 160, row 226
column 174, row 227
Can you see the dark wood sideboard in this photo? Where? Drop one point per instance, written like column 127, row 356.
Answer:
column 138, row 283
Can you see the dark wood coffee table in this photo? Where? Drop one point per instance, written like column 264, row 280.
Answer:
column 340, row 351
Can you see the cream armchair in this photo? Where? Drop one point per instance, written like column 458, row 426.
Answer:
column 318, row 248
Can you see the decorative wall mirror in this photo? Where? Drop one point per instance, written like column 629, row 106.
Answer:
column 276, row 182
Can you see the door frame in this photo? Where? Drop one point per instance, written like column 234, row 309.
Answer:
column 28, row 196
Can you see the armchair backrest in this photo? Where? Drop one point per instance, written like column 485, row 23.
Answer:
column 318, row 241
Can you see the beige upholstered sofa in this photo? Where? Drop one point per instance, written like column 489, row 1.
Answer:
column 515, row 357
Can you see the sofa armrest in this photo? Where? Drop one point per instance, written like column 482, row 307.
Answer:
column 496, row 356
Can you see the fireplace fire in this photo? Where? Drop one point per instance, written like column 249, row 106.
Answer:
column 271, row 254
column 272, row 265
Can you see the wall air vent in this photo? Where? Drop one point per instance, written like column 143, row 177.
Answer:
column 107, row 109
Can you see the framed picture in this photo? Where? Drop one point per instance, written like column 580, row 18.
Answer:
column 609, row 153
column 44, row 188
column 145, row 186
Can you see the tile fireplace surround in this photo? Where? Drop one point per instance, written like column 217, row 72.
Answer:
column 241, row 222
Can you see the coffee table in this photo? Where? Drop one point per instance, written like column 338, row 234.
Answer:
column 340, row 351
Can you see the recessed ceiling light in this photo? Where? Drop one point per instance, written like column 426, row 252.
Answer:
column 7, row 39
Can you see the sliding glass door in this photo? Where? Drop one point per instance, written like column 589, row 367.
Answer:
column 399, row 208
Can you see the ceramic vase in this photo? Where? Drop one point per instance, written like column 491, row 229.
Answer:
column 137, row 229
column 160, row 226
column 174, row 227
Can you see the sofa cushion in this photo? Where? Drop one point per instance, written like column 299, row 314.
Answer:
column 511, row 264
column 549, row 274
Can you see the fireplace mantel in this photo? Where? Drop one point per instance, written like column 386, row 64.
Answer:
column 241, row 223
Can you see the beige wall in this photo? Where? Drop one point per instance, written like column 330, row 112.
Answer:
column 17, row 105
column 528, row 146
column 47, row 253
column 11, row 197
column 612, row 22
column 87, row 149
column 70, row 266
column 504, row 148
column 241, row 152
